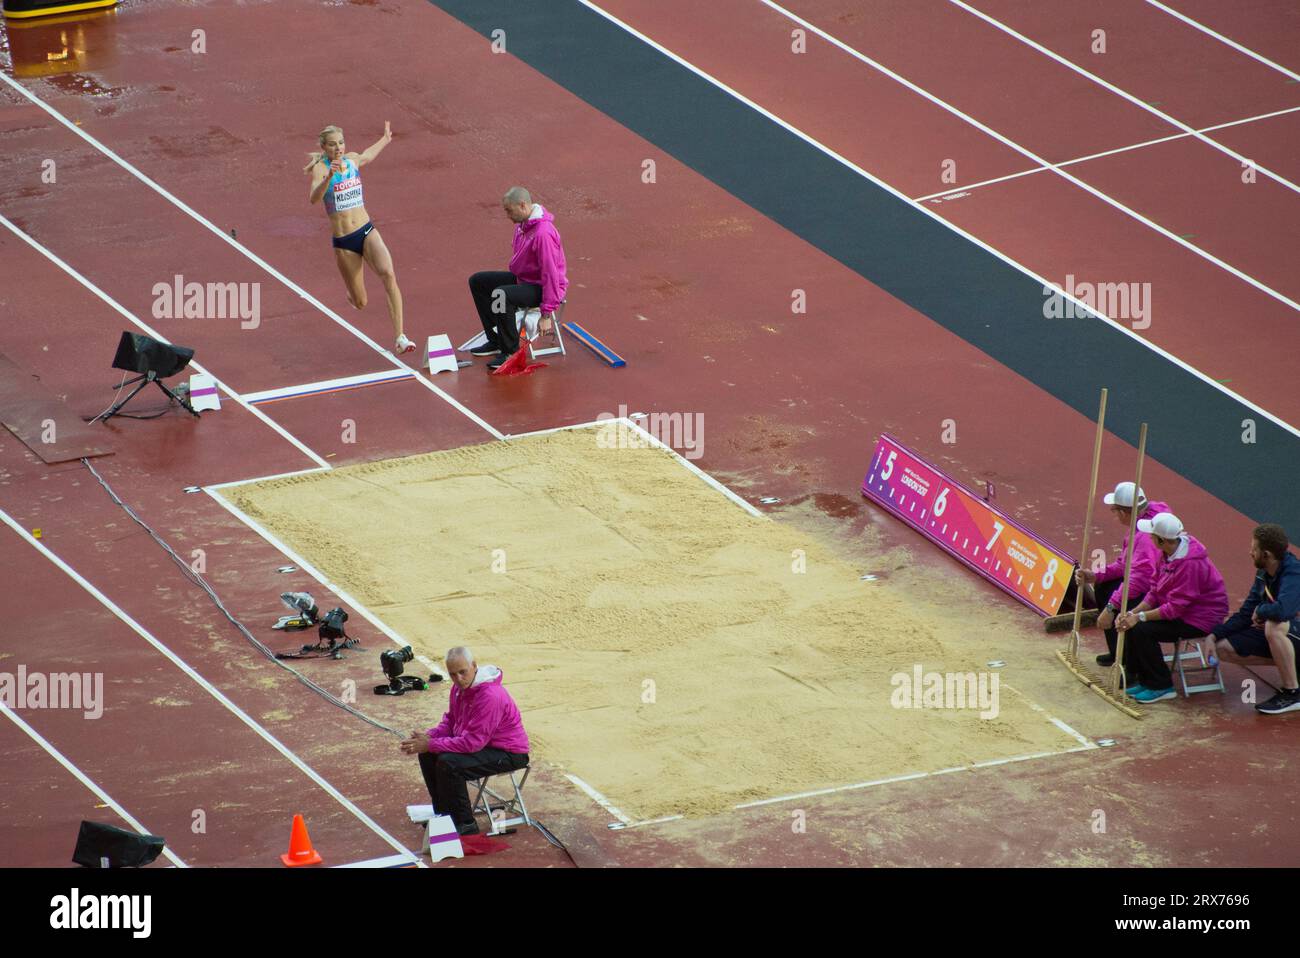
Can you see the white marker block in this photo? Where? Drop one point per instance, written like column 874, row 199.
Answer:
column 419, row 813
column 203, row 392
column 443, row 839
column 439, row 355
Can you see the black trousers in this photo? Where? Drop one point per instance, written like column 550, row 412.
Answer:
column 1144, row 659
column 445, row 775
column 1103, row 592
column 496, row 311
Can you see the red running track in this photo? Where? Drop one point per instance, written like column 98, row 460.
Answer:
column 690, row 284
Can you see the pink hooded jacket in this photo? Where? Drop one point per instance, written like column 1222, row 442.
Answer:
column 1190, row 588
column 538, row 257
column 1146, row 559
column 482, row 716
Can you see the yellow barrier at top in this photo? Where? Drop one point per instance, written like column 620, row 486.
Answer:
column 30, row 9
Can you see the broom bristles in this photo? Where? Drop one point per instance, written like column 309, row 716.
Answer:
column 1064, row 623
column 1099, row 684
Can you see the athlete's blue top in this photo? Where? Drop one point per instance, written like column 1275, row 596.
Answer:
column 344, row 189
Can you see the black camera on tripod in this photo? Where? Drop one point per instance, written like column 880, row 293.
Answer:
column 393, row 661
column 329, row 627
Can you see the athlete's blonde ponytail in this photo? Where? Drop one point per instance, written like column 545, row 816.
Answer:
column 316, row 156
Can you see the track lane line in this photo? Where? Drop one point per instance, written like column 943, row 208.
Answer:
column 207, row 686
column 267, row 267
column 1097, row 156
column 1034, row 44
column 126, row 314
column 1023, row 150
column 85, row 780
column 969, row 237
column 1222, row 39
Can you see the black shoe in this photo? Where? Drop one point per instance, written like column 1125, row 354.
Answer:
column 1282, row 702
column 499, row 361
column 470, row 828
column 487, row 349
column 1106, row 658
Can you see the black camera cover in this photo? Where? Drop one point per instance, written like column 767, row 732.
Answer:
column 122, row 849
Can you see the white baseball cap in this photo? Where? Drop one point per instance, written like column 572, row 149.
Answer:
column 1123, row 496
column 1166, row 525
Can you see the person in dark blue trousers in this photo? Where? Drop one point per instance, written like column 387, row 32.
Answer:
column 1266, row 625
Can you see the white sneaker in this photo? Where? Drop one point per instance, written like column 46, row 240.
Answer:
column 404, row 345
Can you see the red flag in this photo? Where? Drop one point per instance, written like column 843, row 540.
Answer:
column 481, row 845
column 517, row 365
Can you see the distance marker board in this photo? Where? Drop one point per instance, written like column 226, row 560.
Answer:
column 966, row 527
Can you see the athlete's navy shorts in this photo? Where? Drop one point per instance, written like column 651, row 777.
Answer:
column 355, row 241
column 1251, row 641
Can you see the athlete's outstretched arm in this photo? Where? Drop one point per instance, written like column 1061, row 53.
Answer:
column 373, row 150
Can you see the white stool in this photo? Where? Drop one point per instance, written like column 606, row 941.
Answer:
column 486, row 799
column 533, row 351
column 1196, row 654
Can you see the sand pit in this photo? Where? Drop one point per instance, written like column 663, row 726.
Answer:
column 657, row 637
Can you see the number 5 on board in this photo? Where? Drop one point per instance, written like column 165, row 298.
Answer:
column 889, row 465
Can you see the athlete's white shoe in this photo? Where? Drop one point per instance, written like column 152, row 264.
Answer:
column 404, row 345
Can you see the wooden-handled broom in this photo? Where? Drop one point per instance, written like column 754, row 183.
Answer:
column 1072, row 643
column 1118, row 680
column 1102, row 685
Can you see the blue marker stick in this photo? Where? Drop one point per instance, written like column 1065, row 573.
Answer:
column 595, row 345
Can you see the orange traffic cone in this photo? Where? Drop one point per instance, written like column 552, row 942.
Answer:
column 300, row 850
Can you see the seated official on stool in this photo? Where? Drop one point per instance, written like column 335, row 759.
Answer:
column 1186, row 600
column 536, row 277
column 481, row 734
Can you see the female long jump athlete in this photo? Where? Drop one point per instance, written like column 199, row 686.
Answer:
column 336, row 178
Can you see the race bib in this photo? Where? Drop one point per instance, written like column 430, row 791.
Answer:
column 347, row 193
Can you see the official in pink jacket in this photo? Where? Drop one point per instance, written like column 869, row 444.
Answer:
column 1109, row 581
column 481, row 734
column 536, row 277
column 1186, row 601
